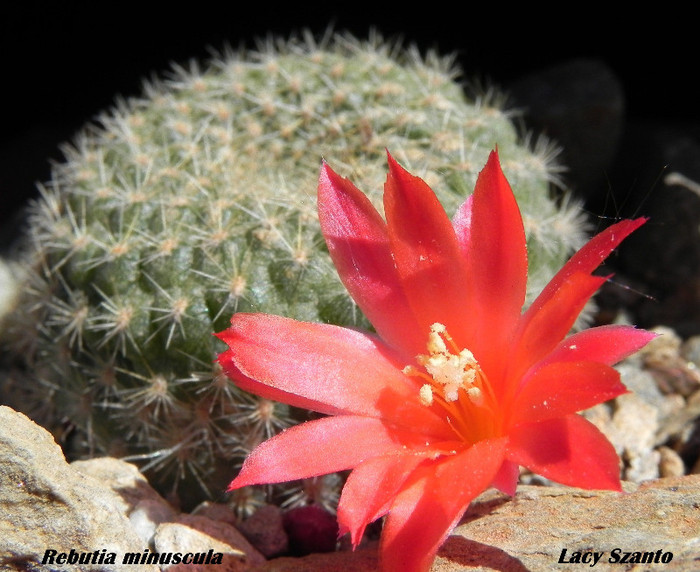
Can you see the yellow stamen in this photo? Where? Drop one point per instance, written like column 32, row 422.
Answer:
column 456, row 382
column 449, row 371
column 426, row 395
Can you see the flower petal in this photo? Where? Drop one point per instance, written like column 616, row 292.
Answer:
column 589, row 256
column 561, row 388
column 321, row 447
column 358, row 243
column 496, row 265
column 569, row 450
column 540, row 331
column 325, row 368
column 427, row 255
column 605, row 344
column 551, row 315
column 431, row 504
column 462, row 222
column 372, row 486
column 506, row 480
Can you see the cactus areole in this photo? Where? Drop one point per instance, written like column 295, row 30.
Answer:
column 458, row 387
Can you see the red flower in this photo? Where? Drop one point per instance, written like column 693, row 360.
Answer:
column 458, row 387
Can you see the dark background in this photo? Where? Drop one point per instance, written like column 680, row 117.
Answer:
column 64, row 62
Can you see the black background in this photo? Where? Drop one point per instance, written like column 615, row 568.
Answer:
column 64, row 62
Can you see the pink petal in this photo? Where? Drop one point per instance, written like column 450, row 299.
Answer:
column 496, row 265
column 540, row 331
column 325, row 368
column 427, row 255
column 569, row 450
column 506, row 480
column 561, row 388
column 372, row 486
column 321, row 447
column 604, row 344
column 358, row 243
column 432, row 503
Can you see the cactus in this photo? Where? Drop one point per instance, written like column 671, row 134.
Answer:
column 197, row 200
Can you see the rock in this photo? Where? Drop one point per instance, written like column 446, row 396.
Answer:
column 663, row 358
column 670, row 464
column 690, row 350
column 147, row 515
column 529, row 533
column 639, row 422
column 216, row 511
column 199, row 535
column 361, row 560
column 126, row 480
column 686, row 441
column 630, row 425
column 46, row 504
column 265, row 530
column 144, row 507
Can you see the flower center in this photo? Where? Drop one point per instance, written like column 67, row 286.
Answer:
column 455, row 383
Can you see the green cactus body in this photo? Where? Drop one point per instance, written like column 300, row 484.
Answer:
column 197, row 201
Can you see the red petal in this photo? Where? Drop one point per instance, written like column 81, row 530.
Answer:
column 542, row 329
column 430, row 506
column 325, row 368
column 496, row 265
column 589, row 256
column 569, row 450
column 553, row 312
column 604, row 344
column 562, row 388
column 358, row 243
column 427, row 255
column 321, row 447
column 372, row 486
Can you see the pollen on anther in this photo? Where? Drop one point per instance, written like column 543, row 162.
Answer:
column 475, row 395
column 436, row 344
column 426, row 395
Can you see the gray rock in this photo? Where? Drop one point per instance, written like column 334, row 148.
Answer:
column 665, row 358
column 147, row 515
column 670, row 464
column 691, row 351
column 199, row 535
column 126, row 480
column 48, row 505
column 639, row 422
column 144, row 507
